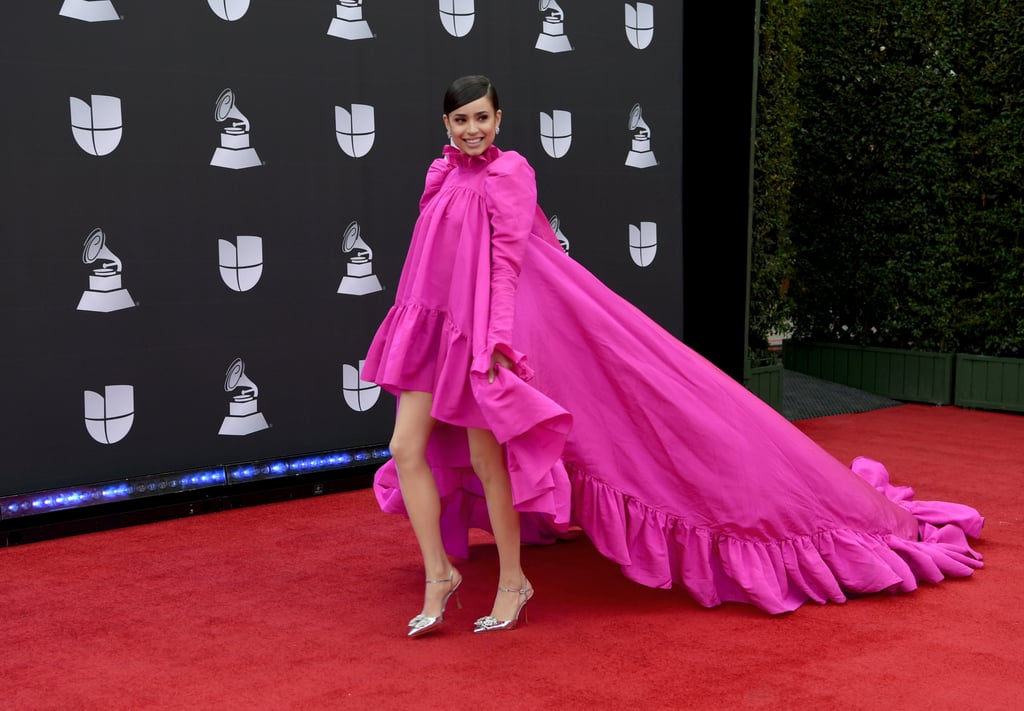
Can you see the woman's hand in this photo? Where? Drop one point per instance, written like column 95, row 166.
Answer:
column 498, row 360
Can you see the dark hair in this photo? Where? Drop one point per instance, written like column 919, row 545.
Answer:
column 466, row 89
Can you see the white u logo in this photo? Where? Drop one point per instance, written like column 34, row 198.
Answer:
column 354, row 129
column 109, row 417
column 360, row 395
column 457, row 16
column 556, row 132
column 229, row 10
column 640, row 24
column 241, row 264
column 96, row 126
column 643, row 243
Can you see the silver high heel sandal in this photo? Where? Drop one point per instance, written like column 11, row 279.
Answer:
column 491, row 624
column 421, row 624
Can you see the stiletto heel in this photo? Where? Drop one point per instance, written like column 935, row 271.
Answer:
column 422, row 624
column 491, row 624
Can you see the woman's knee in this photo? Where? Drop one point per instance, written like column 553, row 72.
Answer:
column 488, row 463
column 412, row 430
column 408, row 454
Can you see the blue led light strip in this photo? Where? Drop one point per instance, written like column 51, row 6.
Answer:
column 21, row 505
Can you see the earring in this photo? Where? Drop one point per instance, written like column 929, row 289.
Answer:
column 497, row 130
column 449, row 133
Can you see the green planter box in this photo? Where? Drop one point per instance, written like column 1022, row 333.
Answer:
column 990, row 383
column 765, row 382
column 912, row 376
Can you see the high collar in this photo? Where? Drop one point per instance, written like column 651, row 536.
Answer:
column 461, row 160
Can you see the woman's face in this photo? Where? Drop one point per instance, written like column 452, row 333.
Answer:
column 473, row 126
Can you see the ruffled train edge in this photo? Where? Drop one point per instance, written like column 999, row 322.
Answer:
column 659, row 550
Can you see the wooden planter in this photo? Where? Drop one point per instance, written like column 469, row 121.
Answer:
column 990, row 383
column 766, row 382
column 912, row 376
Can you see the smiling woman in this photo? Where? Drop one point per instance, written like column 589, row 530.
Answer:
column 442, row 345
column 533, row 399
column 472, row 123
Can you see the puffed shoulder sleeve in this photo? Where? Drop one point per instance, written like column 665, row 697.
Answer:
column 436, row 173
column 511, row 193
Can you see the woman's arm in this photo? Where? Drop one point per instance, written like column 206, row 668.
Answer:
column 511, row 193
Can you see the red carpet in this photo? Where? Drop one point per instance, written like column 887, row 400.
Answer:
column 302, row 605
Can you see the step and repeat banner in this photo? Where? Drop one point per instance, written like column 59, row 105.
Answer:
column 207, row 203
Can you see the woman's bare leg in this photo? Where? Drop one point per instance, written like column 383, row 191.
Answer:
column 413, row 425
column 488, row 460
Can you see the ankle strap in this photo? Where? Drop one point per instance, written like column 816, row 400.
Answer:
column 450, row 578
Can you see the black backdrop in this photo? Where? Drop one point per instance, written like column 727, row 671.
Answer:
column 164, row 210
column 718, row 78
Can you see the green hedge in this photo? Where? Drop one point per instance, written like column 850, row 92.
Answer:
column 771, row 257
column 989, row 193
column 906, row 165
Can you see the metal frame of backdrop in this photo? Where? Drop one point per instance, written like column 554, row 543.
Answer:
column 207, row 204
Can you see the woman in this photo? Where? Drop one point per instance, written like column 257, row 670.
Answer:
column 671, row 468
column 476, row 212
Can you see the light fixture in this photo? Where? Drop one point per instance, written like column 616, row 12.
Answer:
column 148, row 486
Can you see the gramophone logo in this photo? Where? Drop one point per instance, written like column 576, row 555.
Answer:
column 643, row 243
column 556, row 132
column 457, row 16
column 105, row 293
column 109, row 417
column 96, row 126
column 244, row 416
column 552, row 32
column 229, row 10
column 354, row 128
column 348, row 22
column 359, row 278
column 234, row 150
column 240, row 262
column 640, row 154
column 640, row 24
column 360, row 395
column 556, row 227
column 89, row 10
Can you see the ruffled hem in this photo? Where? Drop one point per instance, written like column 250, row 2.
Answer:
column 533, row 430
column 658, row 549
column 421, row 348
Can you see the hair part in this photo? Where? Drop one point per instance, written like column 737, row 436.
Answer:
column 469, row 88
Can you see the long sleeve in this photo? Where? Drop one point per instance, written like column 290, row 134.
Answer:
column 511, row 191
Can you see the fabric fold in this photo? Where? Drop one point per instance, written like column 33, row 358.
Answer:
column 614, row 428
column 659, row 550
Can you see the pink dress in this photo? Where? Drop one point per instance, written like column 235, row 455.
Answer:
column 673, row 469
